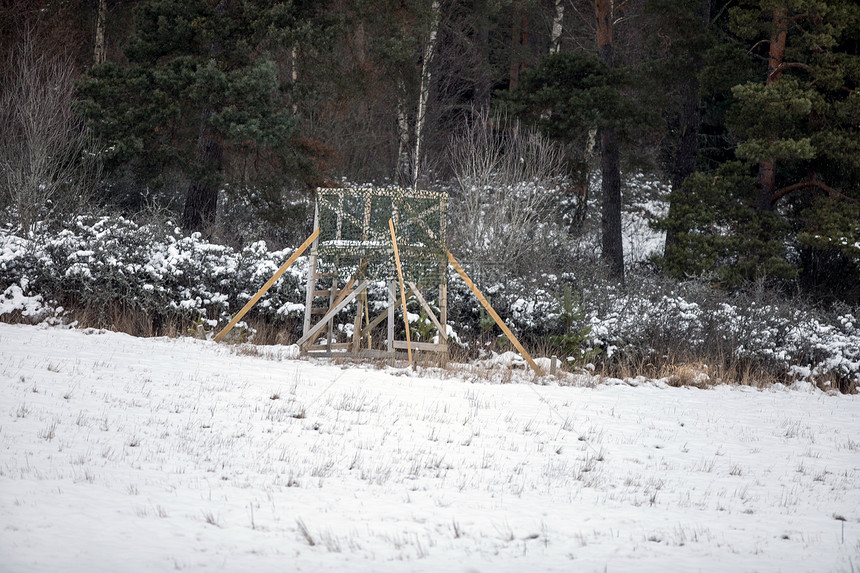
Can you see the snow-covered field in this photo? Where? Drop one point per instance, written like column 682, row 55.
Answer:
column 126, row 454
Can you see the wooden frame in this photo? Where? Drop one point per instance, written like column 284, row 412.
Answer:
column 356, row 287
column 362, row 340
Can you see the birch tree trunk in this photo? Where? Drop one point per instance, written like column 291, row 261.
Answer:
column 424, row 92
column 401, row 172
column 294, row 74
column 557, row 27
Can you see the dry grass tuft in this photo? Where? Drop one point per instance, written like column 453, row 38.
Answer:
column 689, row 374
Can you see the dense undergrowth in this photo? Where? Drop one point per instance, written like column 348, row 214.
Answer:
column 150, row 280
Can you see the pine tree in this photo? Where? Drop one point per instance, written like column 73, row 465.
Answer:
column 200, row 84
column 786, row 198
column 677, row 42
column 569, row 96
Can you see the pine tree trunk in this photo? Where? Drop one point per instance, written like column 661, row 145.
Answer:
column 686, row 151
column 612, row 247
column 484, row 79
column 776, row 55
column 516, row 42
column 99, row 55
column 201, row 202
column 689, row 123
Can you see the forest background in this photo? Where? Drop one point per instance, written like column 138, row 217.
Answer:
column 158, row 157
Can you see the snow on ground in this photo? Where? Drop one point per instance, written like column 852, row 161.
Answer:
column 118, row 453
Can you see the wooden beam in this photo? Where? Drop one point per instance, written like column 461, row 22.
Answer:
column 330, row 314
column 493, row 313
column 392, row 300
column 356, row 326
column 374, row 323
column 348, row 286
column 333, row 346
column 312, row 277
column 402, row 290
column 443, row 336
column 421, row 346
column 254, row 299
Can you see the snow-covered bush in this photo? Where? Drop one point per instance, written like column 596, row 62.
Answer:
column 691, row 321
column 105, row 263
column 663, row 323
column 100, row 262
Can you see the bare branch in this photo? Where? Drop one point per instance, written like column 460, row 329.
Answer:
column 509, row 180
column 806, row 184
column 44, row 141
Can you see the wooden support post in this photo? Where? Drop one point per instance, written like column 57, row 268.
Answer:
column 367, row 320
column 254, row 299
column 356, row 332
column 332, row 295
column 390, row 330
column 356, row 325
column 493, row 313
column 402, row 290
column 443, row 306
column 312, row 274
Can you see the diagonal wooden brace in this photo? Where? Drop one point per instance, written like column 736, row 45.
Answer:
column 443, row 334
column 254, row 299
column 494, row 314
column 333, row 311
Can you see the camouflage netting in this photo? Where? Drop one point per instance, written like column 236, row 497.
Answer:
column 354, row 233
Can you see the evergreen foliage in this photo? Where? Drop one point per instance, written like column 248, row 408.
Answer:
column 239, row 107
column 197, row 75
column 570, row 93
column 783, row 199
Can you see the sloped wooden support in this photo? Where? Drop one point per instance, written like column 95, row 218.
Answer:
column 254, row 299
column 333, row 311
column 374, row 323
column 493, row 313
column 443, row 334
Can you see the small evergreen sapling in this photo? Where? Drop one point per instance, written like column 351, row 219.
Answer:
column 573, row 340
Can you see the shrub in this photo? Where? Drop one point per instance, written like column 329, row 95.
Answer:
column 108, row 267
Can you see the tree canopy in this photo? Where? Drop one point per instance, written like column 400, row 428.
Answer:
column 749, row 109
